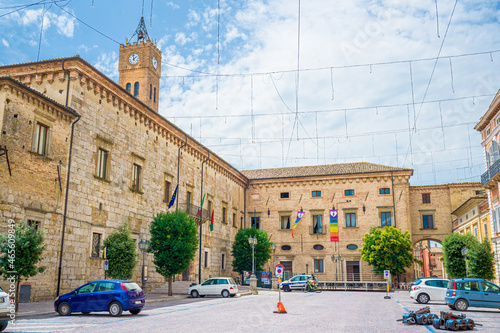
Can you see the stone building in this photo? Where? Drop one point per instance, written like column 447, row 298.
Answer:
column 126, row 162
column 489, row 127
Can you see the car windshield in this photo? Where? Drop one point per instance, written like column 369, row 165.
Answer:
column 132, row 286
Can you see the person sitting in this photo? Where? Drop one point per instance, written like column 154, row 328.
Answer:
column 312, row 280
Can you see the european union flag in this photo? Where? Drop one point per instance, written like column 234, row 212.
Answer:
column 172, row 201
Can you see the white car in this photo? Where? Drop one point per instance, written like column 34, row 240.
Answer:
column 214, row 286
column 297, row 282
column 4, row 309
column 429, row 290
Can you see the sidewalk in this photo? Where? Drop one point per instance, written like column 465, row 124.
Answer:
column 31, row 309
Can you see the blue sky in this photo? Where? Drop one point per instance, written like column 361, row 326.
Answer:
column 344, row 112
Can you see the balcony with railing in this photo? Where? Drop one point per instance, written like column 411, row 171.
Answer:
column 491, row 176
column 193, row 210
column 315, row 230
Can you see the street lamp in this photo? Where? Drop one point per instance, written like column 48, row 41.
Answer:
column 253, row 242
column 274, row 253
column 143, row 246
column 464, row 253
column 334, row 259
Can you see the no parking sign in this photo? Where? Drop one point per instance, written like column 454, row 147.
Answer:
column 279, row 270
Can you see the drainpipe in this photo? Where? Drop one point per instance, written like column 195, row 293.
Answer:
column 393, row 199
column 67, row 188
column 178, row 165
column 201, row 218
column 245, row 208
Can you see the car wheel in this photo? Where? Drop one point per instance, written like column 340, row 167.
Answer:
column 286, row 288
column 3, row 325
column 64, row 309
column 135, row 311
column 115, row 309
column 195, row 293
column 461, row 305
column 423, row 298
column 85, row 312
column 225, row 293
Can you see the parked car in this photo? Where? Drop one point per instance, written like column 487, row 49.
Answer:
column 105, row 295
column 429, row 290
column 4, row 309
column 417, row 281
column 297, row 282
column 472, row 292
column 223, row 286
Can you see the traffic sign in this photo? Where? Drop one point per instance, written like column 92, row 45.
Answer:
column 387, row 274
column 106, row 264
column 279, row 270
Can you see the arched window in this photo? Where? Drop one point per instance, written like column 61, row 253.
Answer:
column 154, row 95
column 150, row 91
column 136, row 89
column 129, row 86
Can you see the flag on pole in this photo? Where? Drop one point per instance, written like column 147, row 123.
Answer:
column 299, row 216
column 201, row 207
column 172, row 201
column 334, row 225
column 212, row 222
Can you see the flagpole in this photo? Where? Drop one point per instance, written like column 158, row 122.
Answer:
column 201, row 219
column 178, row 166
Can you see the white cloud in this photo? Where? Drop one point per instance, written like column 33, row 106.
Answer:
column 5, row 43
column 64, row 23
column 108, row 64
column 180, row 38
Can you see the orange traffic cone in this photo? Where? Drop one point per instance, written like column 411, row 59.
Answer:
column 281, row 308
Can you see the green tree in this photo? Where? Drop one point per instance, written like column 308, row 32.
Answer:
column 242, row 250
column 453, row 260
column 21, row 251
column 481, row 264
column 388, row 249
column 121, row 253
column 174, row 240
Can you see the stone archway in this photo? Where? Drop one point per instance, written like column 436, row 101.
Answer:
column 430, row 252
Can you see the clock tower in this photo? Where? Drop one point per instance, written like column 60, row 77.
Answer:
column 139, row 67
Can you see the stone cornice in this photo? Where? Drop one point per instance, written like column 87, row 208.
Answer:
column 37, row 99
column 489, row 114
column 109, row 91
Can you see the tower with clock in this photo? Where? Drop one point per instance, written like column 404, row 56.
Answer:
column 139, row 67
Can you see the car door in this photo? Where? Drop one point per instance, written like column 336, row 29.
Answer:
column 294, row 282
column 81, row 301
column 472, row 293
column 104, row 293
column 207, row 287
column 221, row 285
column 441, row 293
column 491, row 295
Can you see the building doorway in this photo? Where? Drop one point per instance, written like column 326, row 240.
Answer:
column 352, row 270
column 287, row 269
column 185, row 275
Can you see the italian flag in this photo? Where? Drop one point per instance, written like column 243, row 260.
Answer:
column 212, row 222
column 201, row 207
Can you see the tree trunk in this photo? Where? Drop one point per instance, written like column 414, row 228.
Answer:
column 16, row 299
column 170, row 281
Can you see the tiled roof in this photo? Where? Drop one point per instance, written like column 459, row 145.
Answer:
column 320, row 170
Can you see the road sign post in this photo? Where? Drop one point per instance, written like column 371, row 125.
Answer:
column 387, row 277
column 278, row 269
column 106, row 266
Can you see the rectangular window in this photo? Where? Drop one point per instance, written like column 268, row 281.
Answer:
column 349, row 193
column 385, row 190
column 102, row 163
column 475, row 233
column 285, row 195
column 256, row 222
column 210, row 208
column 167, row 191
column 385, row 219
column 205, row 261
column 318, row 265
column 224, row 220
column 41, row 138
column 488, row 131
column 486, row 230
column 241, row 222
column 136, row 177
column 234, row 220
column 285, row 223
column 34, row 224
column 426, row 198
column 317, row 227
column 350, row 220
column 223, row 261
column 96, row 245
column 428, row 221
column 316, row 193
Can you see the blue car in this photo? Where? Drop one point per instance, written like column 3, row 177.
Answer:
column 105, row 295
column 472, row 292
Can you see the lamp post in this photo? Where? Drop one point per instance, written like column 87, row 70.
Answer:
column 274, row 253
column 253, row 242
column 143, row 246
column 334, row 259
column 464, row 253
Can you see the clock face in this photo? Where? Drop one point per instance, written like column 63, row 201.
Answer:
column 133, row 59
column 155, row 62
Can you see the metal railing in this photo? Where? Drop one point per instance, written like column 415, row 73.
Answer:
column 343, row 276
column 193, row 210
column 492, row 171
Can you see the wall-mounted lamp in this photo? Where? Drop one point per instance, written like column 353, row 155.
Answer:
column 364, row 209
column 268, row 212
column 333, row 207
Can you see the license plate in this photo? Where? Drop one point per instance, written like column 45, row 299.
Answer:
column 138, row 302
